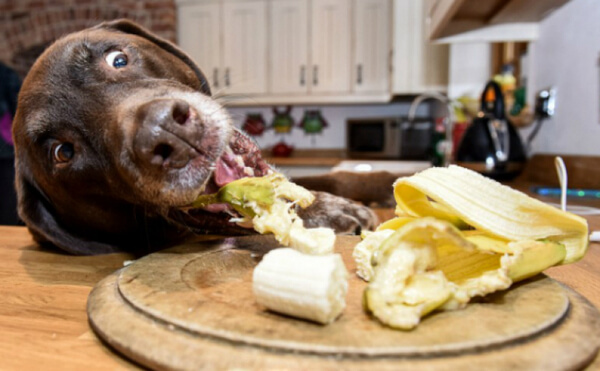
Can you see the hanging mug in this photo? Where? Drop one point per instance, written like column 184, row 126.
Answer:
column 254, row 124
column 282, row 120
column 313, row 122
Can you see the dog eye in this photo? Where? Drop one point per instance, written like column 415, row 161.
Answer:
column 63, row 152
column 116, row 59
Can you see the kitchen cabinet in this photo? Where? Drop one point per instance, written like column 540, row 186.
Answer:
column 199, row 28
column 331, row 43
column 337, row 54
column 418, row 65
column 291, row 51
column 289, row 57
column 245, row 46
column 372, row 45
column 235, row 60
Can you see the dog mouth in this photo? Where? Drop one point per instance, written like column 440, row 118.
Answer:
column 241, row 158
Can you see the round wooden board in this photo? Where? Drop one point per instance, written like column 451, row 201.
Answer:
column 192, row 306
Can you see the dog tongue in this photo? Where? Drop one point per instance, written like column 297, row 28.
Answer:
column 228, row 169
column 240, row 159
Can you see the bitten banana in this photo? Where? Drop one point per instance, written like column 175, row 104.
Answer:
column 268, row 203
column 300, row 285
column 459, row 235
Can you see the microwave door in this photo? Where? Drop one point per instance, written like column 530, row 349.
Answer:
column 367, row 139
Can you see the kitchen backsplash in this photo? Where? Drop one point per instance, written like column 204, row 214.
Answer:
column 334, row 135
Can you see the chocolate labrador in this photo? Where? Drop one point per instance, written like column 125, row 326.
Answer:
column 116, row 131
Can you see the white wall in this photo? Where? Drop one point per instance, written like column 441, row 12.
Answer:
column 334, row 136
column 567, row 56
column 470, row 68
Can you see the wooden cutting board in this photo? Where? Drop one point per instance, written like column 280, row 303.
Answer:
column 191, row 307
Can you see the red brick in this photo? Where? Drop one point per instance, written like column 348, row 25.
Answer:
column 53, row 18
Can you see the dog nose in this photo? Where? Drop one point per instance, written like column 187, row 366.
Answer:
column 162, row 128
column 180, row 111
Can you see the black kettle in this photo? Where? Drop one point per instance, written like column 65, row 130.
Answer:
column 491, row 144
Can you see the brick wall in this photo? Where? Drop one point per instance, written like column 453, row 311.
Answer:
column 27, row 26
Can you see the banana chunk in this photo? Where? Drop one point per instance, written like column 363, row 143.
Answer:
column 311, row 287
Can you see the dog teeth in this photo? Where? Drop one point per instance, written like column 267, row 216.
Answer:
column 239, row 161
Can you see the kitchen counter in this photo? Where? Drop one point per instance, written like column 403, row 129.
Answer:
column 43, row 320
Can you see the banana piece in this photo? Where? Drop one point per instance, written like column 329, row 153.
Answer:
column 364, row 252
column 300, row 285
column 268, row 203
column 429, row 264
column 459, row 235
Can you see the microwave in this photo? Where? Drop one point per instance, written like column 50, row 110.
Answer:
column 389, row 138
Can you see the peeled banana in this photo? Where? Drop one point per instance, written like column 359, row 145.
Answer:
column 300, row 285
column 267, row 202
column 459, row 235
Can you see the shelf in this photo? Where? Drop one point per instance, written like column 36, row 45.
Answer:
column 491, row 20
column 280, row 100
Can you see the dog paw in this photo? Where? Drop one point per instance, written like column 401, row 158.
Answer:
column 338, row 213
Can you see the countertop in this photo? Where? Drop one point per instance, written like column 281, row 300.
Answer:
column 43, row 321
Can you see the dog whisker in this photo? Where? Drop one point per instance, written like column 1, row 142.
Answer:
column 233, row 98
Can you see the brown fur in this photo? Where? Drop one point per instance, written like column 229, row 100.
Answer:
column 372, row 188
column 111, row 195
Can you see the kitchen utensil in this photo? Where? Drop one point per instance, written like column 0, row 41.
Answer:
column 254, row 124
column 491, row 144
column 282, row 149
column 282, row 120
column 313, row 122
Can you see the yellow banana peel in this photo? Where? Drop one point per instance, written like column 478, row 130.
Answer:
column 459, row 235
column 466, row 198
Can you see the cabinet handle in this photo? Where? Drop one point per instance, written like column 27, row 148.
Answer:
column 227, row 81
column 216, row 78
column 315, row 75
column 359, row 78
column 302, row 75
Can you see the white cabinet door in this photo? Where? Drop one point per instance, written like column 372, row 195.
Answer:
column 289, row 46
column 199, row 28
column 372, row 45
column 418, row 65
column 331, row 41
column 434, row 74
column 245, row 46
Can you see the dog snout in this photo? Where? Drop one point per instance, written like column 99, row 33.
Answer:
column 165, row 131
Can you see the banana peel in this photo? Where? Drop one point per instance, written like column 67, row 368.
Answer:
column 459, row 235
column 469, row 200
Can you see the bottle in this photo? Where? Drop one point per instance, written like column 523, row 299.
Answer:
column 438, row 141
column 508, row 84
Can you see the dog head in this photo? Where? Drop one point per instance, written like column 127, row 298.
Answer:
column 116, row 128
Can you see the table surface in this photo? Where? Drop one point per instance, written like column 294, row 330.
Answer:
column 43, row 321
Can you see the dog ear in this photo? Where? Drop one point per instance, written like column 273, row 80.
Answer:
column 36, row 211
column 133, row 28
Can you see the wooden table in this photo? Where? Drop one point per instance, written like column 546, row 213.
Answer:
column 43, row 321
